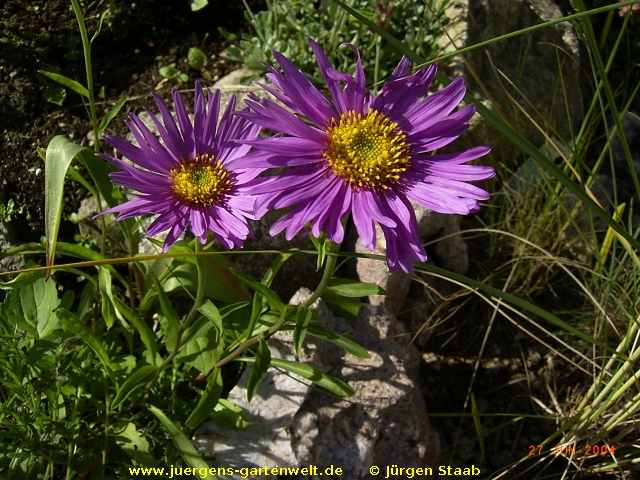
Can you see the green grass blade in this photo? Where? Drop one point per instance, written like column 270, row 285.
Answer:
column 111, row 114
column 522, row 304
column 67, row 82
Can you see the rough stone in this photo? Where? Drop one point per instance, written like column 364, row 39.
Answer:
column 451, row 253
column 384, row 423
column 88, row 225
column 519, row 74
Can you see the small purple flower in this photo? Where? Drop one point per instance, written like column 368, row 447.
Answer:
column 195, row 176
column 362, row 154
column 622, row 11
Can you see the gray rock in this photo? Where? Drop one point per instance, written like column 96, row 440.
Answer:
column 267, row 441
column 520, row 73
column 451, row 253
column 92, row 227
column 384, row 423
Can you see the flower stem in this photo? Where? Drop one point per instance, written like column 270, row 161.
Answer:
column 86, row 47
column 330, row 264
column 186, row 324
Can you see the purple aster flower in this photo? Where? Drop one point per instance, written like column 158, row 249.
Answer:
column 363, row 154
column 195, row 176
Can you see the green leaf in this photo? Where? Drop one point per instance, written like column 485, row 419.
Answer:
column 111, row 114
column 60, row 153
column 67, row 82
column 209, row 310
column 86, row 300
column 197, row 58
column 274, row 301
column 352, row 288
column 146, row 334
column 219, row 283
column 168, row 71
column 334, row 385
column 230, row 416
column 72, row 324
column 198, row 4
column 345, row 307
column 99, row 170
column 55, row 94
column 303, row 317
column 30, row 309
column 136, row 380
column 22, row 280
column 109, row 311
column 258, row 373
column 208, row 401
column 171, row 323
column 202, row 353
column 350, row 346
column 227, row 34
column 134, row 444
column 182, row 443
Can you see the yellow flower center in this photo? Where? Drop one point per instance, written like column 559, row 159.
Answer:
column 202, row 180
column 369, row 151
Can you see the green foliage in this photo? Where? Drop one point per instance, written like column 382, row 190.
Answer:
column 8, row 211
column 197, row 58
column 170, row 72
column 198, row 4
column 286, row 24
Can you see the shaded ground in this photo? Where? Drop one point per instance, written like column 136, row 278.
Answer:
column 134, row 44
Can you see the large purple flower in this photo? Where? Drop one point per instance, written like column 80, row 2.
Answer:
column 362, row 154
column 195, row 176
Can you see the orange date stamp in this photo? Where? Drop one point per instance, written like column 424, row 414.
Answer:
column 572, row 450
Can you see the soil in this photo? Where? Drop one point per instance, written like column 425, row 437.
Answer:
column 135, row 42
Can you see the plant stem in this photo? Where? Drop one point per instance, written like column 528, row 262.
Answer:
column 86, row 47
column 330, row 264
column 186, row 324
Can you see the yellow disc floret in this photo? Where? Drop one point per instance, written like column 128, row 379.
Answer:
column 367, row 150
column 202, row 180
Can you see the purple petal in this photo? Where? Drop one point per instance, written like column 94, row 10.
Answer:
column 186, row 127
column 168, row 130
column 436, row 106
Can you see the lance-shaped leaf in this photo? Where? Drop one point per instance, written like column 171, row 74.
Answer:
column 184, row 446
column 332, row 384
column 67, row 82
column 60, row 153
column 208, row 401
column 258, row 373
column 136, row 380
